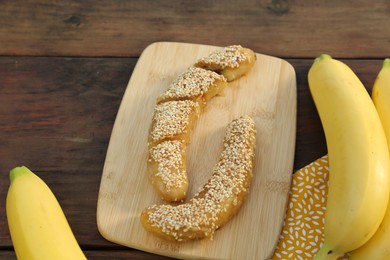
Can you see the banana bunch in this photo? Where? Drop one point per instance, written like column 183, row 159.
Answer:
column 38, row 227
column 359, row 164
column 378, row 247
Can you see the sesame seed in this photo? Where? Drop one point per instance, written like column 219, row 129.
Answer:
column 193, row 83
column 228, row 57
column 225, row 190
column 172, row 118
column 171, row 169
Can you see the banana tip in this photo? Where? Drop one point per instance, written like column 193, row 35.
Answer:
column 17, row 171
column 386, row 63
column 322, row 57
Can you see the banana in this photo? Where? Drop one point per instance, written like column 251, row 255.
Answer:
column 378, row 247
column 38, row 227
column 359, row 164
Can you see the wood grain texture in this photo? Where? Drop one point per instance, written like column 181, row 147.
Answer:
column 57, row 113
column 60, row 112
column 281, row 28
column 267, row 93
column 38, row 117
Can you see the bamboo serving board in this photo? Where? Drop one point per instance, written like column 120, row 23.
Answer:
column 267, row 93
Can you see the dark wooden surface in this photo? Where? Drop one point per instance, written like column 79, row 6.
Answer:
column 64, row 66
column 299, row 28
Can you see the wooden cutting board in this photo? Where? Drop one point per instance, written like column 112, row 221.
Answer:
column 267, row 93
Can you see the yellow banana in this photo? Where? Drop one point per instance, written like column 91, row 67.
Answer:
column 359, row 165
column 38, row 227
column 378, row 247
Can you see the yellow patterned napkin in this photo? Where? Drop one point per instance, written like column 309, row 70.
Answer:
column 302, row 233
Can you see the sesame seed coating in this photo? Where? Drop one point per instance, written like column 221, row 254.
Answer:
column 218, row 200
column 172, row 118
column 178, row 108
column 228, row 57
column 193, row 83
column 170, row 163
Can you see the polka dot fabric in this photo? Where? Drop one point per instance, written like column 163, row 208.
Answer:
column 302, row 233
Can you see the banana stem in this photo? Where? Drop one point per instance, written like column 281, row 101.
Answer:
column 17, row 172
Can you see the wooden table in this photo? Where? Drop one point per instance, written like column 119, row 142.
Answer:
column 64, row 66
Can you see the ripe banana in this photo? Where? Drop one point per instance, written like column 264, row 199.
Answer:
column 378, row 247
column 38, row 227
column 359, row 164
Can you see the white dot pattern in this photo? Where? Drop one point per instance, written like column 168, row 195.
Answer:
column 303, row 228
